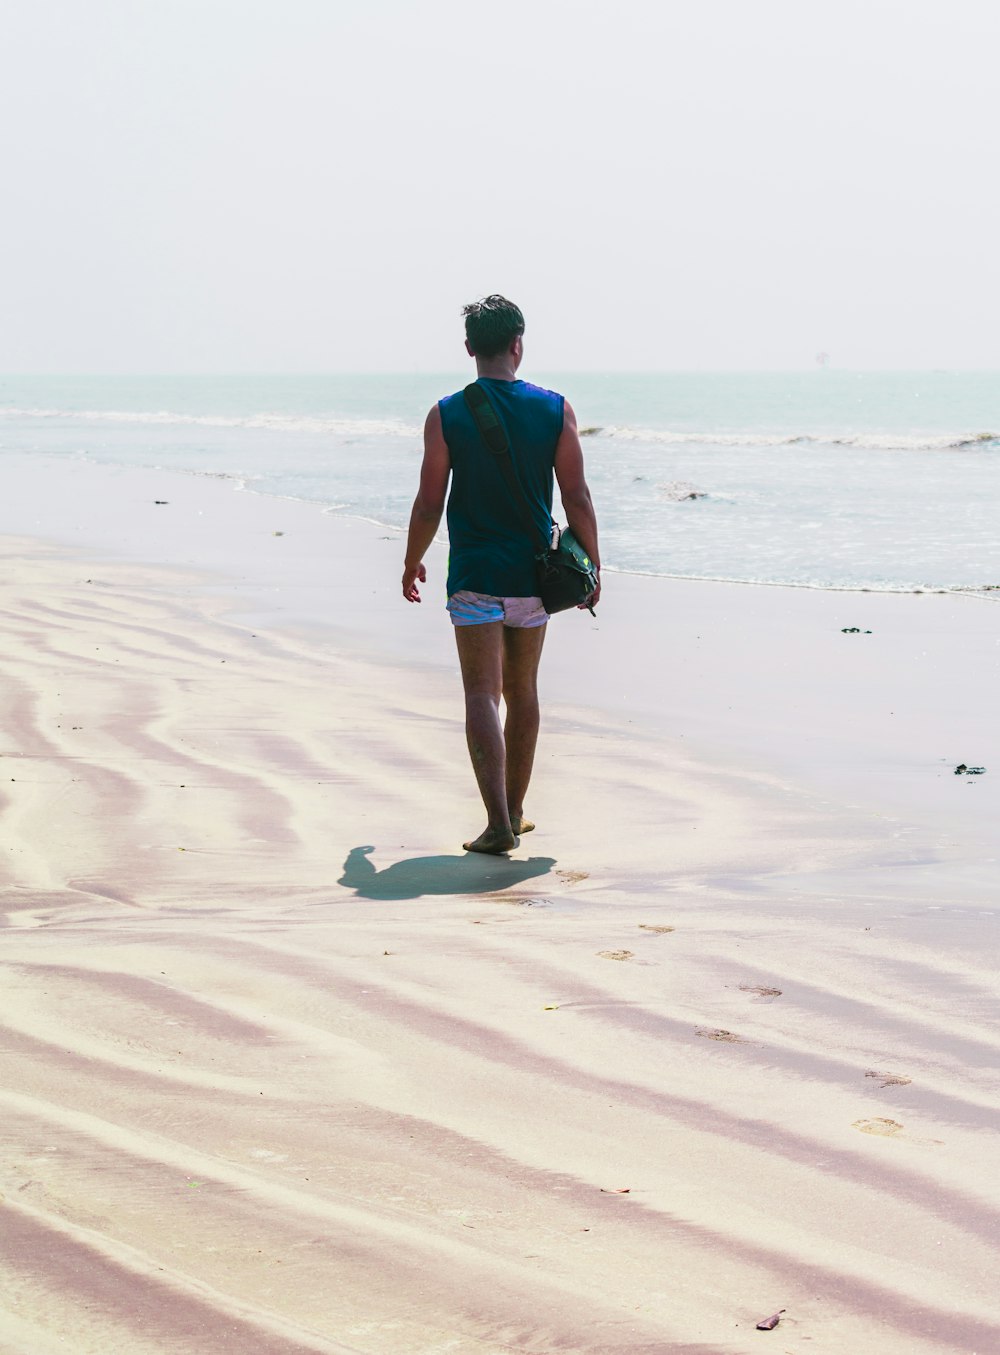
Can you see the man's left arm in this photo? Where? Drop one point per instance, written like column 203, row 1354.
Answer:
column 428, row 506
column 575, row 494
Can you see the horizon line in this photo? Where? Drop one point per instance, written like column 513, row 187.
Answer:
column 562, row 371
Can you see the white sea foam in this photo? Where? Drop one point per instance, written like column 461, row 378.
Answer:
column 680, row 491
column 889, row 442
column 283, row 423
column 917, row 442
column 987, row 592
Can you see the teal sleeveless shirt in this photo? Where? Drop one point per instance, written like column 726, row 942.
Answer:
column 490, row 550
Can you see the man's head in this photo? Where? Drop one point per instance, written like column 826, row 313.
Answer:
column 491, row 326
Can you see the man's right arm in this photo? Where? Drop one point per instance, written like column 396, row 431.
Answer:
column 575, row 494
column 428, row 505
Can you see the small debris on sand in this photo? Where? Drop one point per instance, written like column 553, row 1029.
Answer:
column 724, row 1036
column 660, row 931
column 963, row 770
column 759, row 989
column 615, row 954
column 888, row 1079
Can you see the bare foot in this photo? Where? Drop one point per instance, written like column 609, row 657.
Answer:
column 495, row 841
column 519, row 824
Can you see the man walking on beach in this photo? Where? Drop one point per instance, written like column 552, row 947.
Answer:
column 498, row 618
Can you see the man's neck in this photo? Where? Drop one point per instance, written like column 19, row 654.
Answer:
column 497, row 369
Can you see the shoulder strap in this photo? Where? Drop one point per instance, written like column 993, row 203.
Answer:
column 495, row 436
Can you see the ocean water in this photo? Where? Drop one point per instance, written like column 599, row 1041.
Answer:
column 823, row 479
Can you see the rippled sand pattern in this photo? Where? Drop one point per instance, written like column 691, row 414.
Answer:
column 283, row 1071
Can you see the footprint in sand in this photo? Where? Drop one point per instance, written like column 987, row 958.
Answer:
column 724, row 1036
column 890, row 1129
column 886, row 1129
column 649, row 927
column 573, row 877
column 615, row 954
column 889, row 1079
column 762, row 994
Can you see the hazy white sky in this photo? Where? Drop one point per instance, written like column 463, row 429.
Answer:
column 281, row 185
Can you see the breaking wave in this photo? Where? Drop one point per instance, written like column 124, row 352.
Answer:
column 338, row 426
column 281, row 423
column 875, row 441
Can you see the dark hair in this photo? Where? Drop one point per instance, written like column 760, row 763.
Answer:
column 492, row 325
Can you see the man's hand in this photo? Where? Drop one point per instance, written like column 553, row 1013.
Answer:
column 410, row 576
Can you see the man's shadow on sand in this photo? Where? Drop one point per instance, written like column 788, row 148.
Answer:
column 471, row 873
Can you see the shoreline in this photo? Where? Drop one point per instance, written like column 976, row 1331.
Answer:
column 295, row 1074
column 668, row 544
column 876, row 730
column 44, row 464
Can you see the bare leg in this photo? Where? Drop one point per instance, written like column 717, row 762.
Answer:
column 522, row 650
column 480, row 652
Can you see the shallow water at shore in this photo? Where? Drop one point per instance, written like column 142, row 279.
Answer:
column 887, row 481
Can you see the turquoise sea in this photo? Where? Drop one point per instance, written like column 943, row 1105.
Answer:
column 819, row 478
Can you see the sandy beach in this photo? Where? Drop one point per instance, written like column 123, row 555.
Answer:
column 283, row 1070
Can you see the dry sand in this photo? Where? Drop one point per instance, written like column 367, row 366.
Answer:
column 284, row 1071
